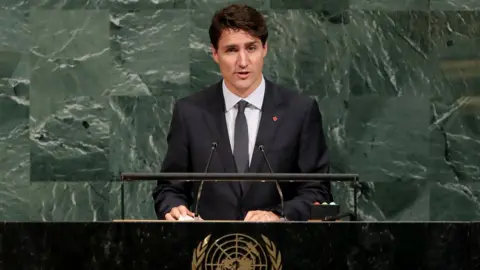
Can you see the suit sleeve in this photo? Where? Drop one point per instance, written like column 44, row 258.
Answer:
column 312, row 158
column 167, row 195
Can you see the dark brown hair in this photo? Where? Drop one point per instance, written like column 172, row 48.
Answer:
column 238, row 17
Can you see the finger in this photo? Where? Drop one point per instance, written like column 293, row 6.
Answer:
column 263, row 216
column 256, row 216
column 184, row 210
column 249, row 215
column 273, row 217
column 266, row 217
column 175, row 213
column 253, row 217
column 168, row 216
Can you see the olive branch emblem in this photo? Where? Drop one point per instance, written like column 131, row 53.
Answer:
column 275, row 256
column 199, row 253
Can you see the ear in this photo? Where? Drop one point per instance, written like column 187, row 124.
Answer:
column 214, row 53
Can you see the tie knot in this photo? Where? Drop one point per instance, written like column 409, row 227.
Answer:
column 241, row 106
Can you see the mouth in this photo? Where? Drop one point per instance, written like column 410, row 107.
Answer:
column 243, row 74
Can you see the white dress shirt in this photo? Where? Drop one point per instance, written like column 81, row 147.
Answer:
column 253, row 112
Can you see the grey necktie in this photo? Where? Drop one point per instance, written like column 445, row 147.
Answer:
column 240, row 147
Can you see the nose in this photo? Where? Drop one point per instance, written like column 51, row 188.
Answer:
column 242, row 60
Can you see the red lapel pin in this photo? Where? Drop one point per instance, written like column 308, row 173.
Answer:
column 274, row 118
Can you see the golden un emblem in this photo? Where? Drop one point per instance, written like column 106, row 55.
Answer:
column 236, row 252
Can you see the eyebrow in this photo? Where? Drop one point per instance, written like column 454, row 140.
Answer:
column 235, row 45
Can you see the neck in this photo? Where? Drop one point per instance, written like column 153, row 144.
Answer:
column 243, row 93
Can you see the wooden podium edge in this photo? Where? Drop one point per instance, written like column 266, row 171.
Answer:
column 218, row 221
column 184, row 221
column 140, row 220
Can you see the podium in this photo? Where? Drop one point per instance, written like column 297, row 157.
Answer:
column 240, row 245
column 318, row 210
column 222, row 245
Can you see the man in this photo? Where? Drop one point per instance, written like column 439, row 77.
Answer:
column 240, row 113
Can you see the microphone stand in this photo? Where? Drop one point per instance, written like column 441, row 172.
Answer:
column 200, row 188
column 280, row 193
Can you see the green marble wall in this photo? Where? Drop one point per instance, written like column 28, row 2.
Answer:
column 87, row 87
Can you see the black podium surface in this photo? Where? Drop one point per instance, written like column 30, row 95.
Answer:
column 240, row 245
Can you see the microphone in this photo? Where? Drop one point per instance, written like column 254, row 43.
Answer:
column 199, row 194
column 280, row 193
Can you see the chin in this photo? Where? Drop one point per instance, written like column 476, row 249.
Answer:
column 242, row 87
column 243, row 84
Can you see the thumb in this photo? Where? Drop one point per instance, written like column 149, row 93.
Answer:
column 190, row 213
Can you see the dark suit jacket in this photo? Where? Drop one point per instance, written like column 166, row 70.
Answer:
column 294, row 143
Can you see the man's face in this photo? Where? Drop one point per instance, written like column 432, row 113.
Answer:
column 240, row 58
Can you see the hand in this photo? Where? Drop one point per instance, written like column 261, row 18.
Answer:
column 261, row 216
column 177, row 212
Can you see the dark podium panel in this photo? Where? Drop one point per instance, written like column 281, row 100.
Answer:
column 239, row 245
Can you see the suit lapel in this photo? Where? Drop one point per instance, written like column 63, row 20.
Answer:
column 271, row 119
column 216, row 122
column 215, row 119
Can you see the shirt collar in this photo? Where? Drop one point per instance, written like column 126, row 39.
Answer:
column 255, row 98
